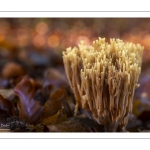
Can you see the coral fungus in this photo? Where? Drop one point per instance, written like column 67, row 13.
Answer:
column 103, row 78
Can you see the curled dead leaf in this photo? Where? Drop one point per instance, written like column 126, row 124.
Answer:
column 30, row 109
column 42, row 94
column 54, row 119
column 54, row 103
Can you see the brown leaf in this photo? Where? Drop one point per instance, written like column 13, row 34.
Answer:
column 12, row 70
column 6, row 107
column 55, row 119
column 42, row 94
column 30, row 109
column 53, row 104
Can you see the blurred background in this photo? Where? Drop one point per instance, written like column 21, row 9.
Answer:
column 37, row 44
column 56, row 34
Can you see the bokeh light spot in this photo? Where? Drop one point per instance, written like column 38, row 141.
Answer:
column 42, row 28
column 53, row 41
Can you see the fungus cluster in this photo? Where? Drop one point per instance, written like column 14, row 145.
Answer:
column 103, row 78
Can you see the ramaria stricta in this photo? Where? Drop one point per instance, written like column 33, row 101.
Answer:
column 103, row 78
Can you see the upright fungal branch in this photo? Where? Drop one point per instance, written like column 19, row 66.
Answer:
column 103, row 78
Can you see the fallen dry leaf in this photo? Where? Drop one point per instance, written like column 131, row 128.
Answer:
column 42, row 94
column 54, row 103
column 30, row 109
column 12, row 70
column 54, row 119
